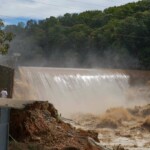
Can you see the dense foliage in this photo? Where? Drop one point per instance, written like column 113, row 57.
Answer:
column 117, row 37
column 5, row 38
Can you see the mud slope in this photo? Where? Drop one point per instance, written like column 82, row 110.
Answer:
column 39, row 127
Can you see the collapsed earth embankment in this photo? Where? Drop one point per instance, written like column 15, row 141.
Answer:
column 38, row 126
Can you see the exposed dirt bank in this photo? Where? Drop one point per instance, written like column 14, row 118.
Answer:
column 38, row 126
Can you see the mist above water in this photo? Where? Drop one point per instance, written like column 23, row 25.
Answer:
column 72, row 90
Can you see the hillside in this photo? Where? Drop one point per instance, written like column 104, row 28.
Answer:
column 118, row 37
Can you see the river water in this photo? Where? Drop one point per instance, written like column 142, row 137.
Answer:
column 88, row 91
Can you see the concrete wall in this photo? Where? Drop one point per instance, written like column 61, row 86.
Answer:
column 4, row 128
column 6, row 79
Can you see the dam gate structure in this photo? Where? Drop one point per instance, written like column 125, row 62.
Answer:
column 76, row 90
column 6, row 81
column 4, row 128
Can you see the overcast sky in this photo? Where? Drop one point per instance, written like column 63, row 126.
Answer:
column 13, row 11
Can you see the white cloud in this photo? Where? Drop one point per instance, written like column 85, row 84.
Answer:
column 45, row 8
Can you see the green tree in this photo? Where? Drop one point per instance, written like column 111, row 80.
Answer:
column 5, row 38
column 117, row 37
column 144, row 58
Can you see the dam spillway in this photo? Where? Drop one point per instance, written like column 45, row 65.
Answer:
column 72, row 90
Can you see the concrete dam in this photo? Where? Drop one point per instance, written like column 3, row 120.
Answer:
column 77, row 90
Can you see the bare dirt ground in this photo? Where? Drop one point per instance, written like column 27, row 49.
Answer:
column 38, row 127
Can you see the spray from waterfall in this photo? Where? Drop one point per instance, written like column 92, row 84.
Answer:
column 73, row 90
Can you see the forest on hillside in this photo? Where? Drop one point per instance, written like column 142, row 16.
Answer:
column 117, row 37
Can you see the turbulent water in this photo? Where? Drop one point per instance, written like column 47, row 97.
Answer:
column 72, row 90
column 92, row 91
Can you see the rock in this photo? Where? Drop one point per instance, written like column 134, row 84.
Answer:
column 88, row 133
column 94, row 144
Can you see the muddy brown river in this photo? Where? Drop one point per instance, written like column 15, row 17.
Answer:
column 90, row 91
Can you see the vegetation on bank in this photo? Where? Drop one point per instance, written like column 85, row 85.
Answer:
column 118, row 37
column 5, row 38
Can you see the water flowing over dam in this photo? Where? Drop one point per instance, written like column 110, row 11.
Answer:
column 73, row 90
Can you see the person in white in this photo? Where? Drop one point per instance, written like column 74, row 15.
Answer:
column 4, row 93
